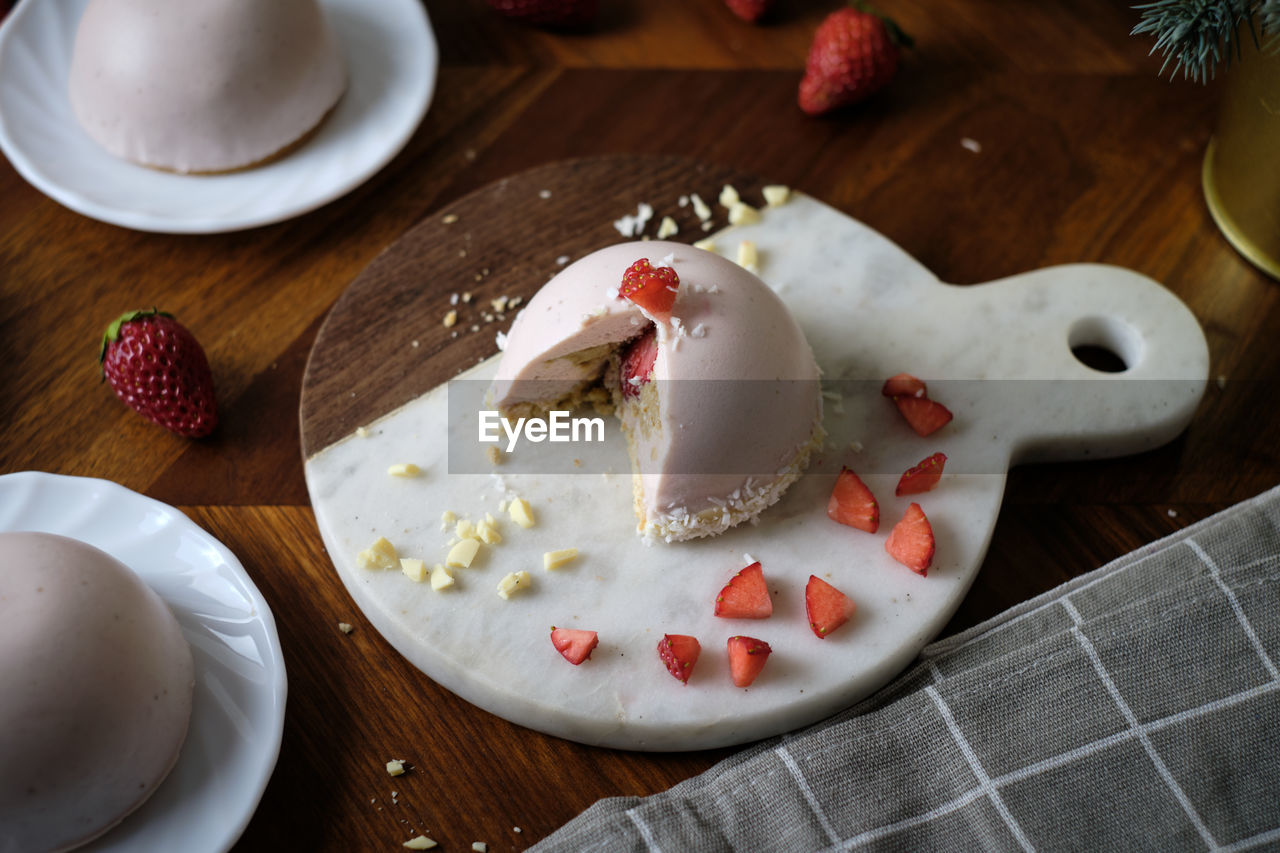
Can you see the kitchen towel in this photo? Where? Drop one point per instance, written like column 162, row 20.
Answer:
column 1133, row 708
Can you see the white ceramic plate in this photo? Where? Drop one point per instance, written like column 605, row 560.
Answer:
column 238, row 715
column 391, row 59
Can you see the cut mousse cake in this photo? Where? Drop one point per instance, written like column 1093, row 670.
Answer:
column 715, row 386
column 203, row 86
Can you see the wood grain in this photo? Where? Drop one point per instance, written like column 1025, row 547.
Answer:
column 385, row 343
column 1086, row 155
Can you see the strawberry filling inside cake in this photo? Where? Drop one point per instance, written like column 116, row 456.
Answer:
column 712, row 380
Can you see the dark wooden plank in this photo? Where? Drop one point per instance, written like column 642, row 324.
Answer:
column 384, row 343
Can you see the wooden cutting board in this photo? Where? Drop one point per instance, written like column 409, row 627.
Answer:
column 1000, row 355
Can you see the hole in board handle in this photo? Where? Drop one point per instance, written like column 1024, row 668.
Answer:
column 1105, row 344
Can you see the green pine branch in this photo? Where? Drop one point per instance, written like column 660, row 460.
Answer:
column 1199, row 36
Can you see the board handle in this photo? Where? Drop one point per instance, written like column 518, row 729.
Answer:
column 1035, row 396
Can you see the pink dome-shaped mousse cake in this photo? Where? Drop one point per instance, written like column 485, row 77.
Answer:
column 96, row 685
column 720, row 401
column 203, row 85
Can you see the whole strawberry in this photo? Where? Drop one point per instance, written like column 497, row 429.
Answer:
column 160, row 370
column 749, row 10
column 854, row 53
column 548, row 13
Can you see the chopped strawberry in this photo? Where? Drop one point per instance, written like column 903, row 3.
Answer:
column 853, row 504
column 652, row 289
column 574, row 643
column 827, row 607
column 925, row 416
column 923, row 476
column 911, row 541
column 903, row 385
column 637, row 363
column 679, row 652
column 745, row 596
column 747, row 657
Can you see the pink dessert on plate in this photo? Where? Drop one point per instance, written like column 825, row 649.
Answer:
column 718, row 392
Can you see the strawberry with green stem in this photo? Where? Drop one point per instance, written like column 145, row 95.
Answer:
column 158, row 368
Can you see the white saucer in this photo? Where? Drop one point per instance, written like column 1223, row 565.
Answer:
column 391, row 56
column 238, row 716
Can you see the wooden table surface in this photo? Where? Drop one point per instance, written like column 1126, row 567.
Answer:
column 1086, row 155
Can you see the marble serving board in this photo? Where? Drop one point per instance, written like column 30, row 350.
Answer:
column 999, row 355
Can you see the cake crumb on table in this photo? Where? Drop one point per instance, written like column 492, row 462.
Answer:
column 421, row 842
column 396, row 767
column 345, row 627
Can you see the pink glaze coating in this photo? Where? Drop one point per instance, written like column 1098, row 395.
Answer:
column 203, row 85
column 738, row 387
column 96, row 685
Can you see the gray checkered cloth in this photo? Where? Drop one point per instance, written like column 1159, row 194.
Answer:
column 1133, row 708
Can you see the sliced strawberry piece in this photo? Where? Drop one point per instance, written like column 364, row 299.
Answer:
column 827, row 607
column 637, row 363
column 911, row 541
column 922, row 477
column 903, row 385
column 925, row 416
column 747, row 657
column 652, row 289
column 679, row 652
column 853, row 504
column 574, row 643
column 745, row 596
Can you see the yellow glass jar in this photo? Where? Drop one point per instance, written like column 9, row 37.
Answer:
column 1241, row 172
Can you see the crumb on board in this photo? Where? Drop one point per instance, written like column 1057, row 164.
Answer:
column 776, row 194
column 514, row 582
column 380, row 555
column 742, row 213
column 521, row 513
column 462, row 554
column 559, row 558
